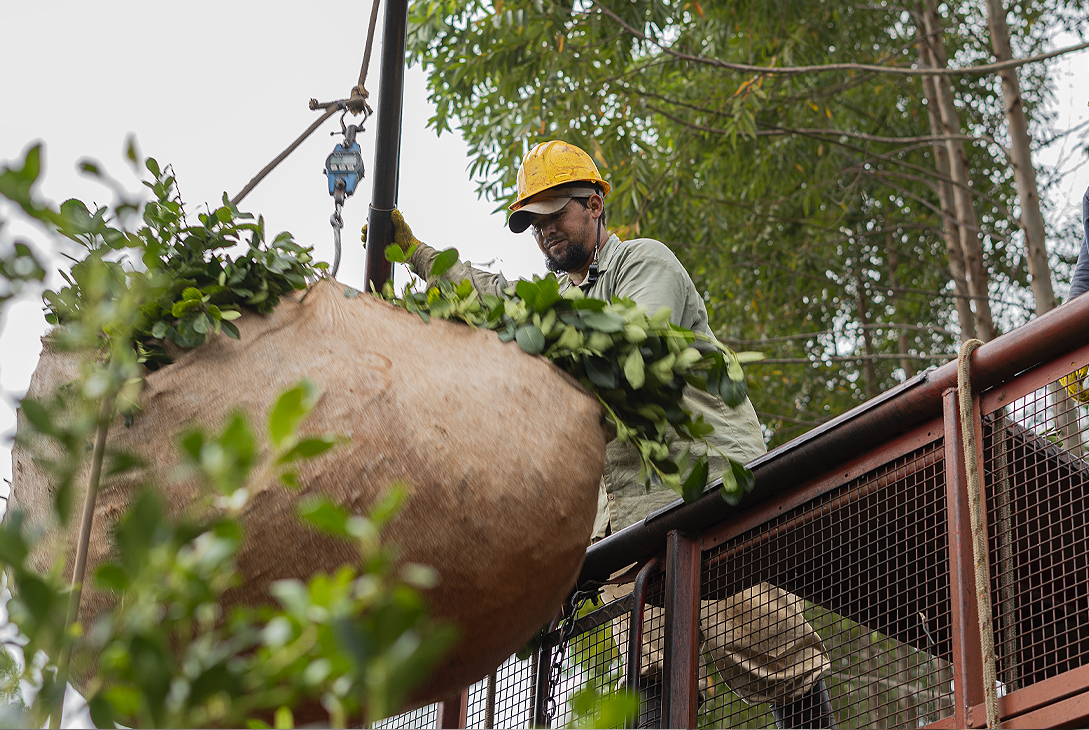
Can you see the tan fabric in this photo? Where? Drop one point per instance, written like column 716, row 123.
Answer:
column 758, row 640
column 501, row 452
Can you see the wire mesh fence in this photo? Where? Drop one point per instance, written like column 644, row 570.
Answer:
column 852, row 586
column 1037, row 490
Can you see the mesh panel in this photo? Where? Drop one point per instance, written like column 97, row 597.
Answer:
column 861, row 570
column 422, row 717
column 1036, row 481
column 592, row 664
column 512, row 698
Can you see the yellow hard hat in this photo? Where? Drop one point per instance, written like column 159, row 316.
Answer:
column 551, row 165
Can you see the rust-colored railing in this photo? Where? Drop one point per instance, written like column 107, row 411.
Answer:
column 863, row 524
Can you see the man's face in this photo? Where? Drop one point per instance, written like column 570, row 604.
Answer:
column 567, row 237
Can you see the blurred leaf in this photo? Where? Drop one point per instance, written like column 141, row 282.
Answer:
column 444, row 261
column 290, row 410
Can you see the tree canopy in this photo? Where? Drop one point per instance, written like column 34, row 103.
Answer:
column 801, row 187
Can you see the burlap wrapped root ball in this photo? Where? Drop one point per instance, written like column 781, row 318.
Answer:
column 501, row 452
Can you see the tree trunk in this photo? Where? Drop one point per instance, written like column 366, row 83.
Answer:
column 905, row 341
column 950, row 229
column 971, row 245
column 1024, row 174
column 869, row 370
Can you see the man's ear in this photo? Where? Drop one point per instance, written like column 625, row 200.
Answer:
column 596, row 205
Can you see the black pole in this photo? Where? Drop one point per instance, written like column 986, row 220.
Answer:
column 387, row 152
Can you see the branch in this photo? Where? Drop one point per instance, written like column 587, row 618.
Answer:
column 849, row 358
column 806, row 335
column 834, row 67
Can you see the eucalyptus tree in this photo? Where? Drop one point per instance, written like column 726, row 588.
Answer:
column 785, row 151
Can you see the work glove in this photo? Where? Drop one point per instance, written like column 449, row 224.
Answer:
column 402, row 234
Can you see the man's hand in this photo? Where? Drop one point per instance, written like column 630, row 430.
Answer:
column 402, row 234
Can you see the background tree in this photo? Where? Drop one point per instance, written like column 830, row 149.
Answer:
column 841, row 212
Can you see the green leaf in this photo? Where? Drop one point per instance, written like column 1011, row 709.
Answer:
column 101, row 711
column 634, row 370
column 528, row 291
column 327, row 516
column 444, row 261
column 124, row 700
column 111, row 577
column 180, row 309
column 600, row 372
column 38, row 416
column 588, row 304
column 231, row 329
column 13, row 547
column 609, row 322
column 530, row 338
column 202, row 324
column 291, row 408
column 743, row 476
column 730, row 491
column 158, row 330
column 308, row 448
column 733, row 392
column 696, row 481
column 395, row 254
column 548, row 294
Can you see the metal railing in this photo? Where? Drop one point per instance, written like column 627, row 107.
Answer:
column 862, row 528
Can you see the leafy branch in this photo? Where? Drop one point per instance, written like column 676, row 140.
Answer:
column 636, row 364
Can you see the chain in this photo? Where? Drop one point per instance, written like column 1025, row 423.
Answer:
column 567, row 631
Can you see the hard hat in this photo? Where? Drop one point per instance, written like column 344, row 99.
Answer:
column 551, row 165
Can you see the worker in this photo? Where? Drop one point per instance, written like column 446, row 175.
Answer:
column 758, row 639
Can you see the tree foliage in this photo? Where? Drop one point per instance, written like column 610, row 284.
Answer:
column 805, row 205
column 353, row 642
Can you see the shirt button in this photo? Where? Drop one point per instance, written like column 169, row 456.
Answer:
column 612, row 497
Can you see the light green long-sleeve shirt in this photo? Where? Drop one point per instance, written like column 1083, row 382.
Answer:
column 647, row 272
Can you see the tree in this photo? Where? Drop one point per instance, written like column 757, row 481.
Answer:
column 842, row 212
column 352, row 643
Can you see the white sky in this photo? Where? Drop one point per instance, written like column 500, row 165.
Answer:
column 218, row 89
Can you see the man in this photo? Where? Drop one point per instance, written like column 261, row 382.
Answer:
column 759, row 640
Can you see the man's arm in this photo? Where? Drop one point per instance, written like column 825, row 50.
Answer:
column 423, row 259
column 1080, row 283
column 484, row 282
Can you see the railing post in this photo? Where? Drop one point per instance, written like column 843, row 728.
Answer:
column 967, row 654
column 453, row 712
column 542, row 693
column 682, row 608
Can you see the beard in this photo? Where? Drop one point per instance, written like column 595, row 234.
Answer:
column 572, row 259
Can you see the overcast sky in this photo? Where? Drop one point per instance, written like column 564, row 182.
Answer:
column 218, row 89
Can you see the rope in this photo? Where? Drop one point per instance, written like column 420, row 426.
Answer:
column 979, row 535
column 329, row 111
column 355, row 103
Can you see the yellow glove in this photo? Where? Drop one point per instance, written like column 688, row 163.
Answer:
column 402, row 234
column 1075, row 384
